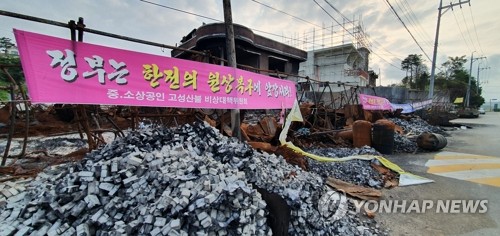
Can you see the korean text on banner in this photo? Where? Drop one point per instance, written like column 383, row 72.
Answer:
column 374, row 103
column 63, row 71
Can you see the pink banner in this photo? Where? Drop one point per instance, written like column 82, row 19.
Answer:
column 374, row 103
column 63, row 71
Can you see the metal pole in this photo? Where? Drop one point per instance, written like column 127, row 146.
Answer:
column 231, row 59
column 467, row 96
column 478, row 70
column 436, row 40
column 434, row 53
column 477, row 78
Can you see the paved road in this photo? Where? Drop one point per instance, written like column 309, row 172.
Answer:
column 468, row 168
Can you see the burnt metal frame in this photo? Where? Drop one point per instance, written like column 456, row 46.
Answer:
column 13, row 113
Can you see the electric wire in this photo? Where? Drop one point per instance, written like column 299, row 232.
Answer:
column 179, row 10
column 321, row 27
column 374, row 41
column 402, row 22
column 333, row 18
column 313, row 32
column 475, row 30
column 347, row 19
column 460, row 29
column 213, row 19
column 468, row 31
column 335, row 9
column 416, row 24
column 288, row 14
column 261, row 31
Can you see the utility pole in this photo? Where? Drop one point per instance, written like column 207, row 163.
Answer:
column 479, row 69
column 231, row 59
column 436, row 40
column 467, row 96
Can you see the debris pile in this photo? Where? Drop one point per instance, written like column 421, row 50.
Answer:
column 139, row 187
column 184, row 181
column 359, row 172
column 416, row 126
column 405, row 142
column 49, row 145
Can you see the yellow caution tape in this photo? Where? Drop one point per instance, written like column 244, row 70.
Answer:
column 405, row 177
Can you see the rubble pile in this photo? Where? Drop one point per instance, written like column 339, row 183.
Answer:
column 255, row 116
column 52, row 146
column 416, row 126
column 185, row 181
column 405, row 143
column 343, row 152
column 54, row 143
column 402, row 144
column 146, row 184
column 359, row 172
column 299, row 188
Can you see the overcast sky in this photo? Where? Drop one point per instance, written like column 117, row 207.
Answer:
column 463, row 30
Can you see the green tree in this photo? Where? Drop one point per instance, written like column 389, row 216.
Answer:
column 422, row 80
column 14, row 69
column 413, row 64
column 455, row 78
column 6, row 44
column 453, row 65
column 12, row 64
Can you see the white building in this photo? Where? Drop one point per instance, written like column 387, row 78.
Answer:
column 342, row 64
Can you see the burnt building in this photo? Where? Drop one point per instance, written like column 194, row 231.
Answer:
column 252, row 50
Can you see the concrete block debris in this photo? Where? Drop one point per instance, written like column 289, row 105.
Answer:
column 189, row 180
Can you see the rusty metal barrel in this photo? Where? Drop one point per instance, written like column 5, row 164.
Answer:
column 361, row 133
column 383, row 136
column 431, row 141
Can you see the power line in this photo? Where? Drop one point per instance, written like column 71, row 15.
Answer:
column 460, row 29
column 179, row 10
column 335, row 9
column 213, row 19
column 348, row 20
column 397, row 67
column 261, row 31
column 351, row 33
column 380, row 46
column 333, row 18
column 288, row 14
column 416, row 23
column 467, row 27
column 474, row 23
column 359, row 27
column 343, row 16
column 321, row 27
column 313, row 32
column 413, row 37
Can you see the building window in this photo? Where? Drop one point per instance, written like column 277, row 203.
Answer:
column 277, row 64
